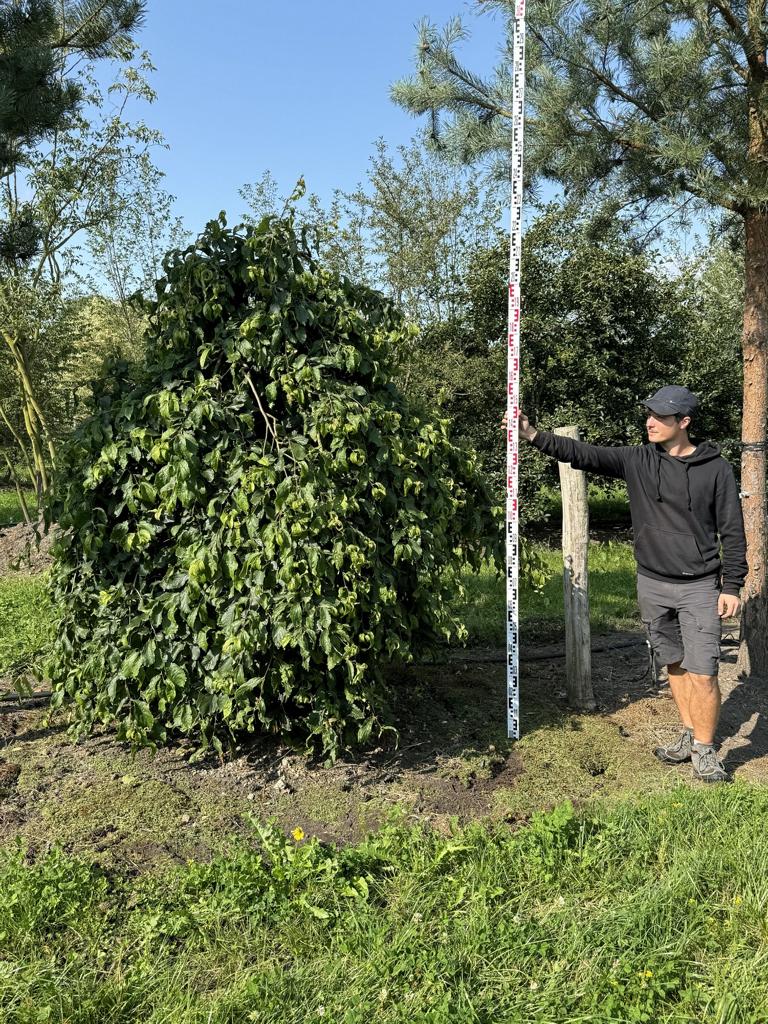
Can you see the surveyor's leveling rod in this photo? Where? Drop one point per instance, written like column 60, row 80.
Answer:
column 513, row 378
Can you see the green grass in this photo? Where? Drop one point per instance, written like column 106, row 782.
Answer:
column 652, row 910
column 607, row 505
column 10, row 507
column 26, row 619
column 612, row 596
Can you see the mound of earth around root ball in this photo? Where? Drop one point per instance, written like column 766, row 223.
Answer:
column 453, row 761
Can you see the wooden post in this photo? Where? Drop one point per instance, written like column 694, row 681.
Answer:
column 578, row 657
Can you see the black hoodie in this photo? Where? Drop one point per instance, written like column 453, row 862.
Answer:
column 680, row 506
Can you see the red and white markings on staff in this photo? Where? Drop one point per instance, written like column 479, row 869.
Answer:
column 513, row 379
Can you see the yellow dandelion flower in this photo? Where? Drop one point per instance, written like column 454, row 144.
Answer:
column 737, row 900
column 297, row 834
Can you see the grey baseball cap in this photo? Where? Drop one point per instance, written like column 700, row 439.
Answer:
column 671, row 400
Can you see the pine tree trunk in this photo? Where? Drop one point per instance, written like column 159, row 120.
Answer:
column 753, row 653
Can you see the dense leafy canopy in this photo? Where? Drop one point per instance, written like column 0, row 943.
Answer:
column 256, row 524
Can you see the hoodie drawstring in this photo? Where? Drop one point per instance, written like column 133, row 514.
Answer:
column 686, row 466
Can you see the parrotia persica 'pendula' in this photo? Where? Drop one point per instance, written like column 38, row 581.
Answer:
column 255, row 523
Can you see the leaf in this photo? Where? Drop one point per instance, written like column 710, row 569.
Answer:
column 318, row 912
column 176, row 675
column 231, row 562
column 132, row 665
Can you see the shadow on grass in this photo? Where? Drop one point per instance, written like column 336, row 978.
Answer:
column 744, row 718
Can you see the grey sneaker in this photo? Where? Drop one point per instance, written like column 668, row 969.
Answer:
column 707, row 766
column 678, row 752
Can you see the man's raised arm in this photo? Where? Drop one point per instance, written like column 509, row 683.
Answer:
column 591, row 457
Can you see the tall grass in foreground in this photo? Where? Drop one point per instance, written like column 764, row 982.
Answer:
column 652, row 911
column 612, row 596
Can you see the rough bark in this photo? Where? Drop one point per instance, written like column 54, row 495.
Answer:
column 753, row 653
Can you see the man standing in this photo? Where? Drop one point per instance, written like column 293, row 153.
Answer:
column 684, row 504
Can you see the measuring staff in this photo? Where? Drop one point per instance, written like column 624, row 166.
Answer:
column 513, row 374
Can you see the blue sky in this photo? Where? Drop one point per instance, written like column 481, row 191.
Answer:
column 293, row 86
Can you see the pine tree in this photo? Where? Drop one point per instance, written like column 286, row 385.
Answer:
column 37, row 37
column 654, row 103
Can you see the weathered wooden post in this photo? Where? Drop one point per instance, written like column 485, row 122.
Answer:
column 573, row 485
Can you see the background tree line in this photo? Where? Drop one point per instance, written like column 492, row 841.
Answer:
column 606, row 318
column 610, row 312
column 84, row 220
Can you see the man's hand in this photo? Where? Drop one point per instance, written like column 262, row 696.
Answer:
column 728, row 605
column 524, row 428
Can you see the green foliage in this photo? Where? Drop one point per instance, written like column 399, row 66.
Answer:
column 260, row 521
column 33, row 98
column 625, row 913
column 101, row 215
column 56, row 897
column 713, row 283
column 606, row 86
column 39, row 94
column 283, row 879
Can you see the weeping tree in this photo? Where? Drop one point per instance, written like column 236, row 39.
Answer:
column 655, row 105
column 256, row 521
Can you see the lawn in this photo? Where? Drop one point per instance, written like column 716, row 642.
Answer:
column 26, row 621
column 612, row 596
column 652, row 910
column 10, row 506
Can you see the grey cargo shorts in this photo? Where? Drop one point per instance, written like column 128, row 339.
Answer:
column 682, row 622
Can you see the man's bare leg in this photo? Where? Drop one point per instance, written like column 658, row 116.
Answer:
column 680, row 685
column 704, row 707
column 698, row 701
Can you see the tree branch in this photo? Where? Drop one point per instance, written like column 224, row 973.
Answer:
column 450, row 65
column 609, row 84
column 747, row 44
column 65, row 43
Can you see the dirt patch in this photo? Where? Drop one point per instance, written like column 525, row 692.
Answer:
column 453, row 762
column 20, row 552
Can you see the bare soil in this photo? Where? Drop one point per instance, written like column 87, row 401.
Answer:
column 453, row 761
column 19, row 552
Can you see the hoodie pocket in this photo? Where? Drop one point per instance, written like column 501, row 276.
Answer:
column 667, row 553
